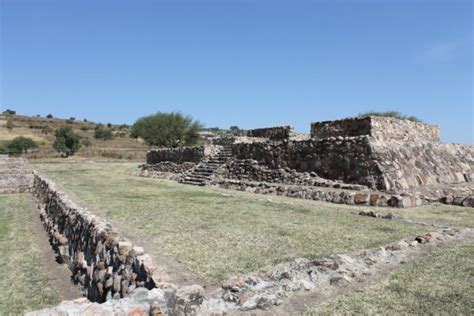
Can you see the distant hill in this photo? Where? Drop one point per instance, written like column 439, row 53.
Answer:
column 41, row 130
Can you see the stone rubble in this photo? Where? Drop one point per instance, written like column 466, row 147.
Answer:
column 15, row 176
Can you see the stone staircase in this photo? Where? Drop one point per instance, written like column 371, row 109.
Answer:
column 15, row 177
column 202, row 173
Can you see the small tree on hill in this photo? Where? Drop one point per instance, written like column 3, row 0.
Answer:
column 167, row 129
column 19, row 145
column 9, row 112
column 9, row 124
column 103, row 133
column 67, row 142
column 50, row 116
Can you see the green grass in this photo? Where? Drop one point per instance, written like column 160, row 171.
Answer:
column 441, row 284
column 219, row 233
column 24, row 282
column 440, row 214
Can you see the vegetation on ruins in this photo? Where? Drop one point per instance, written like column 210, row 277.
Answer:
column 167, row 129
column 394, row 114
column 67, row 142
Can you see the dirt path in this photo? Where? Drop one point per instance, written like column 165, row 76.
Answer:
column 59, row 274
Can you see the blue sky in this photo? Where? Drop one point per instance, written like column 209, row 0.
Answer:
column 245, row 63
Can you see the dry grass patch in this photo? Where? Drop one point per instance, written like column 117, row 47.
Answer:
column 24, row 283
column 217, row 233
column 440, row 284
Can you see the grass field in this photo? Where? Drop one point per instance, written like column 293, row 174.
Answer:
column 441, row 284
column 218, row 233
column 120, row 147
column 24, row 282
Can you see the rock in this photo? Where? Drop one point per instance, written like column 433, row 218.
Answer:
column 340, row 280
column 234, row 284
column 188, row 299
column 361, row 198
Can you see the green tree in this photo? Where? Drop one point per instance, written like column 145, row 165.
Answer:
column 19, row 145
column 103, row 133
column 167, row 129
column 67, row 142
column 9, row 124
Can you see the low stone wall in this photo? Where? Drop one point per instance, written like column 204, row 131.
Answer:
column 167, row 166
column 250, row 170
column 273, row 133
column 106, row 265
column 176, row 155
column 382, row 128
column 332, row 195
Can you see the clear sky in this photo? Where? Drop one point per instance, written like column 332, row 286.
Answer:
column 246, row 63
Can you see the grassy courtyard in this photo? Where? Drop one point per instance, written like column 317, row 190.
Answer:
column 24, row 282
column 218, row 233
column 440, row 284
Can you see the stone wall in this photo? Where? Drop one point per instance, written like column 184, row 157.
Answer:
column 410, row 165
column 273, row 133
column 381, row 128
column 106, row 265
column 344, row 159
column 364, row 160
column 250, row 170
column 176, row 155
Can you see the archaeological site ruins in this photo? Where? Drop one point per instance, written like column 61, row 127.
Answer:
column 370, row 161
column 377, row 161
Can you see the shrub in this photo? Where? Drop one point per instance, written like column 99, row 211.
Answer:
column 50, row 116
column 123, row 126
column 86, row 142
column 67, row 142
column 84, row 128
column 9, row 124
column 20, row 145
column 85, row 120
column 167, row 129
column 109, row 125
column 46, row 129
column 103, row 133
column 394, row 114
column 9, row 112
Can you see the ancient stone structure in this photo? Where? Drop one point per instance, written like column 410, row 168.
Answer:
column 273, row 133
column 385, row 155
column 176, row 155
column 15, row 177
column 382, row 128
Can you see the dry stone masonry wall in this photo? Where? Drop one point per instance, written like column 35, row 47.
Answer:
column 382, row 128
column 176, row 155
column 106, row 265
column 273, row 133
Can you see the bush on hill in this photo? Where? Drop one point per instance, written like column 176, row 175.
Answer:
column 67, row 142
column 103, row 133
column 19, row 145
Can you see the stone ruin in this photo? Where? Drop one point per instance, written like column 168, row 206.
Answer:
column 378, row 161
